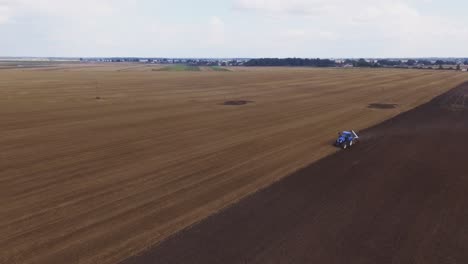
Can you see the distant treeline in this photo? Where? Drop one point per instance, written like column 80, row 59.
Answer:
column 350, row 62
column 291, row 62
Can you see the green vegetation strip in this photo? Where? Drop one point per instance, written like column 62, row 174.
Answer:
column 217, row 68
column 179, row 68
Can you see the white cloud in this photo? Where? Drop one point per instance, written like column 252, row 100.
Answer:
column 394, row 28
column 217, row 23
column 311, row 8
column 307, row 34
column 7, row 10
column 5, row 14
column 107, row 28
column 216, row 35
column 294, row 33
column 309, row 28
column 82, row 11
column 59, row 7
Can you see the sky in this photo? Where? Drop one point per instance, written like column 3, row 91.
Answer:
column 234, row 28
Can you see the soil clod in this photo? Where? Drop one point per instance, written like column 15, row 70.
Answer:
column 237, row 102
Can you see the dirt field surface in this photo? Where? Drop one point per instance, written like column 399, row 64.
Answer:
column 100, row 162
column 400, row 196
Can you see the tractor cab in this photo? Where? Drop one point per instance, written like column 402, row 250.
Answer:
column 344, row 135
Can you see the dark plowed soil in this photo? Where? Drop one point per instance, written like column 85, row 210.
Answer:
column 382, row 106
column 237, row 102
column 400, row 196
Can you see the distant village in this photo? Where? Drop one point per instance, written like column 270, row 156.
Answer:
column 460, row 64
column 194, row 62
column 422, row 63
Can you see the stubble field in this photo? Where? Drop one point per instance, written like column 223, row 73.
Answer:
column 99, row 162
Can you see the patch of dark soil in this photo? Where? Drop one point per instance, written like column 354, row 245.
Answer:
column 382, row 106
column 456, row 101
column 237, row 102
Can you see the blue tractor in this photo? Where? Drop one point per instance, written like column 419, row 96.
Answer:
column 346, row 139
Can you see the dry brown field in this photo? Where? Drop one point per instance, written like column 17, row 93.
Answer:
column 99, row 162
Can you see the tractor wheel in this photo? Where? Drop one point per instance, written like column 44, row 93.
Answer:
column 345, row 146
column 351, row 143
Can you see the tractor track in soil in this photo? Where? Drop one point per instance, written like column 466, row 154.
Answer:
column 400, row 196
